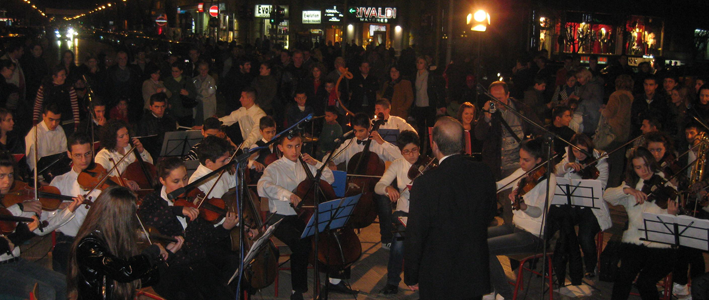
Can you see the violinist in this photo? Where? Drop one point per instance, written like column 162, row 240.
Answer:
column 525, row 233
column 660, row 145
column 410, row 145
column 211, row 126
column 279, row 180
column 576, row 165
column 156, row 121
column 51, row 136
column 361, row 126
column 257, row 161
column 214, row 153
column 651, row 260
column 115, row 141
column 191, row 269
column 105, row 262
column 81, row 154
column 19, row 275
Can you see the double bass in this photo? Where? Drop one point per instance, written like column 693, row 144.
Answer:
column 370, row 165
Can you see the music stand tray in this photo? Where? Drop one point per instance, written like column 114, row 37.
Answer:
column 578, row 192
column 179, row 143
column 389, row 135
column 676, row 230
column 256, row 247
column 332, row 214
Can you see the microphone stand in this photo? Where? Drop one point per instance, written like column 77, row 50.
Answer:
column 549, row 138
column 90, row 93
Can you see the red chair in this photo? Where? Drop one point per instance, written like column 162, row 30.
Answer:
column 519, row 283
column 148, row 295
column 599, row 249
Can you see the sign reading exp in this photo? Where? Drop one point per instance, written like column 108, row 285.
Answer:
column 374, row 14
column 311, row 16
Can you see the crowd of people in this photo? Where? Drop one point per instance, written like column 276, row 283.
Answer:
column 630, row 127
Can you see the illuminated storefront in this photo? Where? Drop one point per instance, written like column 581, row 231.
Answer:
column 276, row 33
column 375, row 24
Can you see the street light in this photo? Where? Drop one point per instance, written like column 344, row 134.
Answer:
column 479, row 20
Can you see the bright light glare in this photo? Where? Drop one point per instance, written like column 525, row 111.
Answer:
column 470, row 18
column 397, row 28
column 480, row 15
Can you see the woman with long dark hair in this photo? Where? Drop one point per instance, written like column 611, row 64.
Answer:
column 105, row 262
column 115, row 140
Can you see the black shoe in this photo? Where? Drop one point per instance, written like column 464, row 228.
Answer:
column 341, row 288
column 296, row 296
column 590, row 275
column 389, row 289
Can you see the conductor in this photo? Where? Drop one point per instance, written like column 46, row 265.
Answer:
column 451, row 206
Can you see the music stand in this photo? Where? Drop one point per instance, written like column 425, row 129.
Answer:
column 676, row 230
column 332, row 214
column 256, row 248
column 587, row 193
column 179, row 143
column 389, row 135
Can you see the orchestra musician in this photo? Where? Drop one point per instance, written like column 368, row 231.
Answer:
column 277, row 183
column 410, row 146
column 647, row 261
column 385, row 150
column 247, row 117
column 105, row 262
column 660, row 145
column 451, row 206
column 51, row 136
column 156, row 121
column 19, row 275
column 525, row 233
column 257, row 161
column 191, row 270
column 383, row 107
column 590, row 221
column 115, row 143
column 211, row 126
column 81, row 153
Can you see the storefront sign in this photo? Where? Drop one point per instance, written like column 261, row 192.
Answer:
column 333, row 14
column 374, row 14
column 262, row 11
column 311, row 17
column 200, row 7
column 214, row 10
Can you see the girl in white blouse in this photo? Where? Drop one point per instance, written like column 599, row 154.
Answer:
column 652, row 261
column 115, row 141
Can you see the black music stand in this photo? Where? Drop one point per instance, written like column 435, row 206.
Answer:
column 179, row 143
column 676, row 230
column 586, row 193
column 256, row 248
column 389, row 135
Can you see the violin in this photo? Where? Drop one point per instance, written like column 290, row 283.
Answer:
column 8, row 222
column 212, row 210
column 422, row 165
column 589, row 170
column 528, row 183
column 656, row 190
column 96, row 177
column 49, row 196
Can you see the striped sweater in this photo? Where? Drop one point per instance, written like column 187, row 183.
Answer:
column 66, row 99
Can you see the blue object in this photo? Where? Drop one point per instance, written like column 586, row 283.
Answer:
column 338, row 210
column 340, row 183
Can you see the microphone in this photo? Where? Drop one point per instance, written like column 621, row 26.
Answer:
column 345, row 136
column 309, row 117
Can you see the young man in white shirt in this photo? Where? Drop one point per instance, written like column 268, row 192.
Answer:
column 392, row 122
column 51, row 136
column 247, row 116
column 213, row 154
column 278, row 180
column 410, row 145
column 82, row 156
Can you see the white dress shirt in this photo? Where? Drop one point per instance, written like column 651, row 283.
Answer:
column 636, row 225
column 531, row 219
column 282, row 177
column 225, row 183
column 248, row 120
column 163, row 195
column 398, row 170
column 50, row 142
column 69, row 186
column 398, row 123
column 104, row 157
column 386, row 151
column 602, row 214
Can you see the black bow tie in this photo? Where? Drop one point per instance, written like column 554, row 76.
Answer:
column 360, row 142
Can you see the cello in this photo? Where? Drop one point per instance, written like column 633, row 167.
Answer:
column 143, row 173
column 339, row 249
column 370, row 165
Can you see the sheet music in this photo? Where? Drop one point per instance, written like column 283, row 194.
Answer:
column 257, row 246
column 677, row 230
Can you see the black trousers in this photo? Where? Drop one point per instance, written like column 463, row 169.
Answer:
column 688, row 259
column 192, row 281
column 588, row 228
column 649, row 265
column 561, row 218
column 289, row 232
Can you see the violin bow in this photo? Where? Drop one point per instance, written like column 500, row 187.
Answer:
column 420, row 173
column 206, row 195
column 115, row 165
column 527, row 173
column 344, row 73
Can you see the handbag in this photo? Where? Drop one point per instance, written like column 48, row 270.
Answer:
column 604, row 134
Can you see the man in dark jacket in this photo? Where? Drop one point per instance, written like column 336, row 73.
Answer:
column 650, row 104
column 445, row 248
column 123, row 81
column 156, row 121
column 364, row 90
